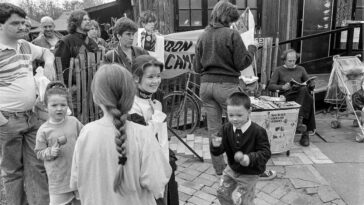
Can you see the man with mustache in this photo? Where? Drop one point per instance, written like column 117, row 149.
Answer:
column 48, row 37
column 23, row 174
column 76, row 41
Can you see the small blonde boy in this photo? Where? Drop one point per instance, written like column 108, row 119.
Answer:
column 247, row 148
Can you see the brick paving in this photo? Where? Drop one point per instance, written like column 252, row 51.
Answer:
column 297, row 181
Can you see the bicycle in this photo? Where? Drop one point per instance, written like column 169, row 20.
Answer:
column 183, row 108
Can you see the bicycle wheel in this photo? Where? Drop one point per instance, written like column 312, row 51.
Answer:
column 183, row 112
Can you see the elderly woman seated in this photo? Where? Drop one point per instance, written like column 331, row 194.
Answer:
column 282, row 81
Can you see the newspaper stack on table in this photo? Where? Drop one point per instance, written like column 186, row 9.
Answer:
column 272, row 103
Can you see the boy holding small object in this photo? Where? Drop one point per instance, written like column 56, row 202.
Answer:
column 247, row 148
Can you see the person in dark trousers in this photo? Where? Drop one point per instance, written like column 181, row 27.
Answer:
column 220, row 56
column 23, row 175
column 247, row 149
column 125, row 53
column 76, row 41
column 281, row 81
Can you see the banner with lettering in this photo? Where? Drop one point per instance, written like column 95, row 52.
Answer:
column 179, row 52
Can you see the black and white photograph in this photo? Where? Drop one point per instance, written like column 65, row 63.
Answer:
column 181, row 102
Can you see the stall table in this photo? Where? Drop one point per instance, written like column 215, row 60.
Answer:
column 280, row 124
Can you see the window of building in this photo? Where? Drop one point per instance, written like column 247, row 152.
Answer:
column 359, row 10
column 195, row 14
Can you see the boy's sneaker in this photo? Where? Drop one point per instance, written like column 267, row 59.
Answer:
column 268, row 175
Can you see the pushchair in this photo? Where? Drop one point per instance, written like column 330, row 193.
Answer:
column 345, row 79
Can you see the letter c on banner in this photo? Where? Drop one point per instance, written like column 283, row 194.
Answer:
column 170, row 56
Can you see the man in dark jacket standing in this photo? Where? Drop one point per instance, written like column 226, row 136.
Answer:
column 76, row 41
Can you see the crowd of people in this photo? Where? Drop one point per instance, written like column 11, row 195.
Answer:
column 124, row 157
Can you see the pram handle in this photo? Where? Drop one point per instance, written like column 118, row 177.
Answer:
column 337, row 56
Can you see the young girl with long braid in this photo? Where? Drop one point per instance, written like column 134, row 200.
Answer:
column 101, row 175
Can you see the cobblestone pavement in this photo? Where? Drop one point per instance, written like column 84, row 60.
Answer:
column 297, row 181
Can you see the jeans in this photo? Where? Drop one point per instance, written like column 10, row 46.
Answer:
column 237, row 189
column 24, row 176
column 213, row 96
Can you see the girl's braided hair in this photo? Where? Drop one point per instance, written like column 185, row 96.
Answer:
column 114, row 88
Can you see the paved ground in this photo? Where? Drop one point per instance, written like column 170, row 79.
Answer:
column 329, row 172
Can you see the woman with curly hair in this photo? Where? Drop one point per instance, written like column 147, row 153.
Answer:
column 139, row 174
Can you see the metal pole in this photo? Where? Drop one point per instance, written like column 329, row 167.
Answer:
column 180, row 139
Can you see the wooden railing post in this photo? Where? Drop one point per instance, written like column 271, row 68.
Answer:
column 91, row 66
column 70, row 88
column 349, row 40
column 94, row 69
column 78, row 89
column 59, row 69
column 84, row 107
column 275, row 57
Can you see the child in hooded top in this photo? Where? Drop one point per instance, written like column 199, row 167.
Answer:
column 55, row 143
column 143, row 171
column 247, row 148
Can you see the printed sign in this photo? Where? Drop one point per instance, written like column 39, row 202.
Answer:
column 280, row 126
column 178, row 55
column 177, row 50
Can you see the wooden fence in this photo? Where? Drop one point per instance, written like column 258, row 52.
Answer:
column 83, row 68
column 267, row 59
column 81, row 71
